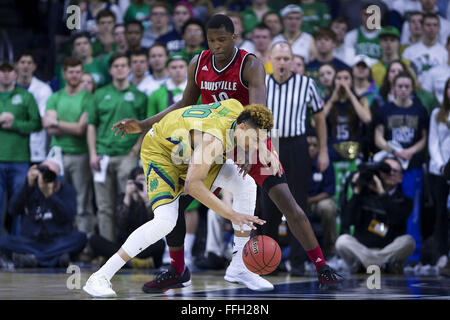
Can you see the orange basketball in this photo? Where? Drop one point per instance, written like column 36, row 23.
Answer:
column 261, row 255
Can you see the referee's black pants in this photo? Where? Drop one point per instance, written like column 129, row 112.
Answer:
column 294, row 157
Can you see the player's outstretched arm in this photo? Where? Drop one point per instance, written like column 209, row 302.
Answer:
column 190, row 97
column 202, row 158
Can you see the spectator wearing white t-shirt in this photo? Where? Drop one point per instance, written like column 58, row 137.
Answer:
column 301, row 43
column 428, row 6
column 345, row 53
column 427, row 53
column 157, row 58
column 435, row 79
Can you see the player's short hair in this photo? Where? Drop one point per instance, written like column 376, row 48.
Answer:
column 116, row 56
column 257, row 115
column 104, row 13
column 71, row 62
column 218, row 21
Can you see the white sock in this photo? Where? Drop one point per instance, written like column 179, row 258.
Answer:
column 189, row 241
column 110, row 268
column 238, row 245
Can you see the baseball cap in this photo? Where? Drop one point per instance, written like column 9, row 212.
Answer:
column 6, row 66
column 363, row 58
column 389, row 31
column 292, row 8
column 176, row 56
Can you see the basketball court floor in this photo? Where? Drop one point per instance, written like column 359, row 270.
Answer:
column 62, row 284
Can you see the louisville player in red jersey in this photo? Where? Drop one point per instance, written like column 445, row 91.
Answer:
column 220, row 73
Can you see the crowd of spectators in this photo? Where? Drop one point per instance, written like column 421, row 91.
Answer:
column 384, row 82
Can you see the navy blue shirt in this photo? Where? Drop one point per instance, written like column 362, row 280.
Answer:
column 404, row 125
column 172, row 40
column 45, row 218
column 321, row 181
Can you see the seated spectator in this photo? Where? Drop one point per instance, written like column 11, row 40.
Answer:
column 134, row 32
column 138, row 10
column 401, row 129
column 439, row 168
column 327, row 72
column 18, row 118
column 157, row 59
column 390, row 46
column 320, row 198
column 346, row 115
column 253, row 15
column 182, row 12
column 298, row 65
column 273, row 21
column 429, row 7
column 90, row 11
column 427, row 53
column 104, row 39
column 316, row 15
column 364, row 39
column 172, row 90
column 414, row 23
column 120, row 39
column 47, row 208
column 302, row 43
column 133, row 210
column 88, row 83
column 345, row 53
column 325, row 42
column 262, row 38
column 159, row 18
column 379, row 212
column 240, row 41
column 423, row 97
column 194, row 36
column 436, row 77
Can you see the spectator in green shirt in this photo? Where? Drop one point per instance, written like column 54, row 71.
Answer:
column 19, row 116
column 111, row 157
column 253, row 15
column 172, row 91
column 104, row 42
column 316, row 15
column 139, row 10
column 66, row 121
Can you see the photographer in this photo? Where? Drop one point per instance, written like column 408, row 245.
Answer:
column 47, row 208
column 379, row 212
column 133, row 210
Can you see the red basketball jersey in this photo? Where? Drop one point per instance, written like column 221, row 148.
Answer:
column 217, row 85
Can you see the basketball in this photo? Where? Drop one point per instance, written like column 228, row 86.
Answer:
column 261, row 255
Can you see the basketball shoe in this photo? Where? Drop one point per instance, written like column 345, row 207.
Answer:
column 328, row 278
column 98, row 286
column 238, row 273
column 169, row 279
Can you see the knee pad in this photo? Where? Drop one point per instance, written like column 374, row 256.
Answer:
column 152, row 231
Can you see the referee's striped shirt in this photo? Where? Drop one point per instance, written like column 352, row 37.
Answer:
column 289, row 101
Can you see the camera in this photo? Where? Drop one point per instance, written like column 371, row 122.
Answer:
column 139, row 185
column 47, row 175
column 368, row 170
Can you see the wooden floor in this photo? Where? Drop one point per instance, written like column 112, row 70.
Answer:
column 57, row 284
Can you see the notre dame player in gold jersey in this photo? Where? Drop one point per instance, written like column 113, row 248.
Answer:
column 185, row 151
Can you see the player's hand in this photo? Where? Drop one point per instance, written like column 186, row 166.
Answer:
column 244, row 169
column 241, row 219
column 127, row 126
column 275, row 165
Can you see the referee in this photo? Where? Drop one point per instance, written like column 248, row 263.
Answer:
column 289, row 95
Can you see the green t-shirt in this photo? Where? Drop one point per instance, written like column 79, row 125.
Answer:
column 428, row 100
column 98, row 49
column 250, row 19
column 98, row 68
column 109, row 106
column 367, row 46
column 138, row 12
column 159, row 99
column 69, row 109
column 14, row 142
column 315, row 15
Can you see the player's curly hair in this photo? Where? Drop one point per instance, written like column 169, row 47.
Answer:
column 258, row 115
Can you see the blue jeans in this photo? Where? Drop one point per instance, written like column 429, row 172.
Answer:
column 412, row 187
column 47, row 253
column 12, row 178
